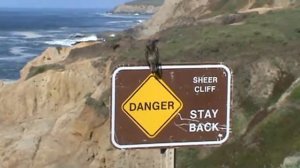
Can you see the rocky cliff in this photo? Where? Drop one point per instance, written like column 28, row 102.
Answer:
column 139, row 6
column 144, row 9
column 57, row 114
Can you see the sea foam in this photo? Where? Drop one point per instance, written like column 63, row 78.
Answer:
column 120, row 21
column 17, row 58
column 18, row 50
column 27, row 34
column 72, row 41
column 125, row 16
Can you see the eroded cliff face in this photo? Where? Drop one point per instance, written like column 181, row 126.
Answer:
column 60, row 117
column 139, row 6
column 144, row 9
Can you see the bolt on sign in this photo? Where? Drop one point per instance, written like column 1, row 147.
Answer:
column 189, row 105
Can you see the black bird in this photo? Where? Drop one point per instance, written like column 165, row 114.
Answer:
column 152, row 56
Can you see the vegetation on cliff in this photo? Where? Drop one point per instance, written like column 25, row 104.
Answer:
column 263, row 52
column 183, row 12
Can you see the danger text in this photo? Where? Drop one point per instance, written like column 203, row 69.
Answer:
column 149, row 106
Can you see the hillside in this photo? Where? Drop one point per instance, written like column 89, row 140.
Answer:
column 139, row 6
column 182, row 12
column 263, row 54
column 57, row 114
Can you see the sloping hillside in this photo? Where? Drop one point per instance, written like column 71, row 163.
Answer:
column 182, row 12
column 263, row 52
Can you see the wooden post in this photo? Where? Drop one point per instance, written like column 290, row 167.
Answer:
column 168, row 158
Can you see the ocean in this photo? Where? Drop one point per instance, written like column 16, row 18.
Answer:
column 25, row 33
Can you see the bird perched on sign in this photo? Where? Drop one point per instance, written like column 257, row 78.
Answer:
column 152, row 56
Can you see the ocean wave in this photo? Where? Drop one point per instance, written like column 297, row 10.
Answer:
column 18, row 50
column 54, row 31
column 8, row 81
column 63, row 28
column 127, row 16
column 24, row 57
column 19, row 55
column 28, row 34
column 77, row 35
column 141, row 21
column 72, row 41
column 120, row 21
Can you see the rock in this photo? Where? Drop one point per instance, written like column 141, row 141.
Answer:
column 49, row 56
column 262, row 81
column 143, row 9
column 139, row 7
column 52, row 55
column 291, row 161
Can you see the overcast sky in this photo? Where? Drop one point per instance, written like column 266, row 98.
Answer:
column 60, row 3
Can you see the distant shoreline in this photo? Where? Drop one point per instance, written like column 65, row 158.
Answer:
column 25, row 33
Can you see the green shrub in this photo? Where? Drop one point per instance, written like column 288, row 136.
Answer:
column 98, row 106
column 35, row 70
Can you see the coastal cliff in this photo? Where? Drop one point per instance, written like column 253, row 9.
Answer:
column 144, row 9
column 139, row 6
column 57, row 114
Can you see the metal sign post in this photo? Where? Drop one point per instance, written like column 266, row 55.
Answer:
column 186, row 105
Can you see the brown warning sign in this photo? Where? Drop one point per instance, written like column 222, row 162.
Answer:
column 188, row 105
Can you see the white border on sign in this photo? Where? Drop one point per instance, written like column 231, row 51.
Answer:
column 173, row 144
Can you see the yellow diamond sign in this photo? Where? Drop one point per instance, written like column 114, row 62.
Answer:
column 152, row 106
